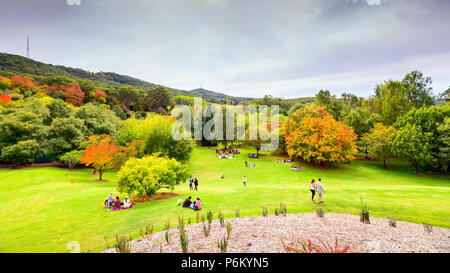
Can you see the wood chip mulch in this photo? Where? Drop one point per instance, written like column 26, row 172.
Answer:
column 263, row 234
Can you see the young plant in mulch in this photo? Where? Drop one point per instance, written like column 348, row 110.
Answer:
column 184, row 242
column 364, row 213
column 197, row 218
column 428, row 228
column 221, row 219
column 148, row 229
column 206, row 229
column 265, row 213
column 228, row 230
column 277, row 212
column 320, row 213
column 167, row 225
column 283, row 209
column 392, row 222
column 183, row 236
column 189, row 220
column 209, row 216
column 181, row 224
column 238, row 213
column 222, row 245
column 167, row 237
column 123, row 244
column 309, row 247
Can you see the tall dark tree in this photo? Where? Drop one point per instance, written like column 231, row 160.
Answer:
column 418, row 89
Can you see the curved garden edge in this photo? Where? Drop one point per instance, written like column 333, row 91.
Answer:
column 264, row 234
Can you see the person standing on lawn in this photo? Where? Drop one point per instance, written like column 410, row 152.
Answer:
column 320, row 191
column 196, row 184
column 190, row 183
column 245, row 181
column 312, row 188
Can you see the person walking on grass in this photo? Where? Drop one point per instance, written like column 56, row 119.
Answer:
column 320, row 191
column 195, row 184
column 190, row 183
column 245, row 181
column 312, row 188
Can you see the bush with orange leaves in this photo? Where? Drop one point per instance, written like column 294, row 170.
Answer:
column 315, row 136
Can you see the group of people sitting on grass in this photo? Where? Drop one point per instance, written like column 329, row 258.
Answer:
column 252, row 156
column 228, row 151
column 293, row 168
column 249, row 165
column 116, row 204
column 316, row 187
column 196, row 205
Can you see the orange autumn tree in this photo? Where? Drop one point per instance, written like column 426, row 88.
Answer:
column 103, row 156
column 315, row 136
column 23, row 84
column 5, row 99
column 73, row 94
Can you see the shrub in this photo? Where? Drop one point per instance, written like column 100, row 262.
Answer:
column 151, row 173
column 320, row 212
column 364, row 213
column 392, row 222
column 238, row 213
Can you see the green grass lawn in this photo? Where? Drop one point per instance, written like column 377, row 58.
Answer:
column 43, row 209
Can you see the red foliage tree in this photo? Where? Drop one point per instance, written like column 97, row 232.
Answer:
column 5, row 99
column 23, row 84
column 74, row 95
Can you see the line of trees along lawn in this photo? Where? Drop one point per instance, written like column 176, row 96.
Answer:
column 57, row 116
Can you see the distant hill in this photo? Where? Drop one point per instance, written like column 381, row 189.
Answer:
column 11, row 65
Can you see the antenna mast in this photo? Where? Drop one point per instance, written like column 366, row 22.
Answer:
column 28, row 46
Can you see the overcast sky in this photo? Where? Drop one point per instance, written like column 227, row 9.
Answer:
column 286, row 48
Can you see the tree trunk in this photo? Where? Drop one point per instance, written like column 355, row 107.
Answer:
column 417, row 169
column 257, row 151
column 384, row 163
column 100, row 172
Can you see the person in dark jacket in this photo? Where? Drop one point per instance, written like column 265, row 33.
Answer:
column 195, row 184
column 187, row 202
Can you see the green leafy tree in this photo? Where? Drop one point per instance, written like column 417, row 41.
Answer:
column 412, row 144
column 98, row 120
column 323, row 98
column 58, row 109
column 429, row 118
column 65, row 134
column 444, row 139
column 156, row 132
column 418, row 89
column 22, row 152
column 392, row 101
column 157, row 97
column 151, row 173
column 379, row 140
column 72, row 158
